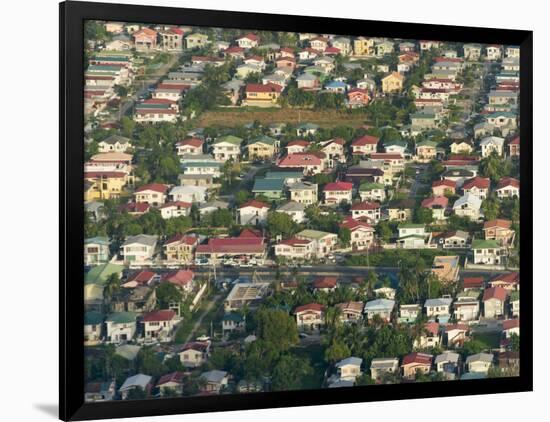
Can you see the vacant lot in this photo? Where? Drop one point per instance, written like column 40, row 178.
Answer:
column 240, row 116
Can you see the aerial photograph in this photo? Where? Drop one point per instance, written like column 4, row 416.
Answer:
column 270, row 211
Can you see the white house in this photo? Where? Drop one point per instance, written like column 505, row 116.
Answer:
column 190, row 194
column 253, row 212
column 491, row 144
column 469, row 206
column 139, row 249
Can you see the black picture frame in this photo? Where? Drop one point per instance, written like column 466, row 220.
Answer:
column 72, row 15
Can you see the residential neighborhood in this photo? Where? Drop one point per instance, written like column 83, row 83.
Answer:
column 271, row 211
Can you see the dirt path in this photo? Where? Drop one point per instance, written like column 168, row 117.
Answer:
column 209, row 307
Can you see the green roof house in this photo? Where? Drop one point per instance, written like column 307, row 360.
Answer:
column 270, row 188
column 101, row 273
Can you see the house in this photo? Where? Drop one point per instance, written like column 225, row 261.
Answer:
column 244, row 294
column 429, row 337
column 446, row 268
column 194, row 354
column 491, row 144
column 364, row 145
column 180, row 248
column 310, row 316
column 426, row 150
column 190, row 146
column 100, row 185
column 461, row 146
column 270, row 188
column 140, row 278
column 145, row 39
column 487, row 252
column 120, row 327
column 170, row 383
column 188, row 194
column 448, row 363
column 382, row 367
column 334, row 151
column 93, row 322
column 480, row 362
column 473, row 283
column 310, row 163
column 262, row 148
column 175, row 209
column 413, row 236
column 306, row 129
column 114, row 143
column 478, row 186
column 456, row 334
column 472, row 52
column 363, row 47
column 297, row 146
column 138, row 381
column 357, row 97
column 253, row 212
column 172, row 39
column 211, row 206
column 493, row 52
column 466, row 308
column 400, row 210
column 159, row 325
column 351, row 312
column 392, row 83
column 183, row 279
column 196, row 40
column 139, row 249
column 323, row 242
column 240, row 249
column 294, row 209
column 415, row 363
column 293, row 248
column 134, row 208
column 99, row 391
column 233, row 321
column 153, row 194
column 249, row 40
column 513, row 147
column 510, row 327
column 469, row 206
column 214, row 381
column 408, row 313
column 227, row 148
column 494, row 299
column 438, row 205
column 396, row 146
column 499, row 230
column 439, row 308
column 337, row 192
column 507, row 187
column 349, row 369
column 325, row 284
column 369, row 211
column 372, row 192
column 96, row 250
column 260, row 95
column 454, row 239
column 508, row 281
column 443, row 187
column 382, row 308
column 362, row 234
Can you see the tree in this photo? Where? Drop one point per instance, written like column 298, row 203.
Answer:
column 148, row 362
column 384, row 231
column 338, row 350
column 514, row 342
column 289, row 372
column 280, row 223
column 136, row 393
column 111, row 287
column 423, row 215
column 168, row 293
column 491, row 207
column 241, row 196
column 344, row 234
column 276, row 329
column 128, row 126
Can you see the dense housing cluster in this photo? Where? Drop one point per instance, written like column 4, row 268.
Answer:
column 272, row 211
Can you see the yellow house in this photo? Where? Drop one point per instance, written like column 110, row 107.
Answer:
column 103, row 185
column 392, row 83
column 262, row 95
column 262, row 148
column 363, row 46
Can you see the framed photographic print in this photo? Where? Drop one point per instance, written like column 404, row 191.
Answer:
column 267, row 210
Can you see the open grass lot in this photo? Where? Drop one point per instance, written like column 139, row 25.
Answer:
column 491, row 340
column 243, row 115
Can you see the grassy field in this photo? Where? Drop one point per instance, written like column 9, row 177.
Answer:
column 491, row 340
column 243, row 115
